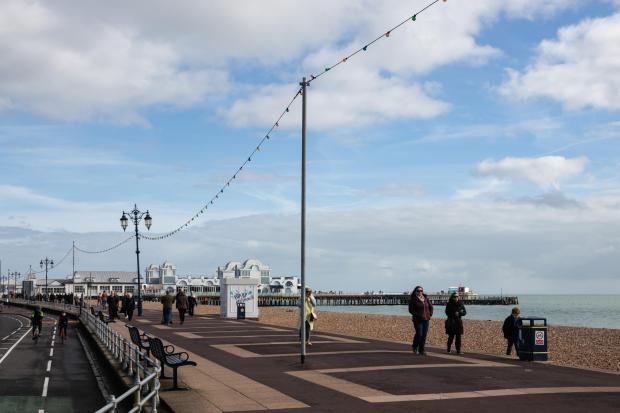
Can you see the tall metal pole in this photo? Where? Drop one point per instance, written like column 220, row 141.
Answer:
column 73, row 249
column 138, row 261
column 303, row 221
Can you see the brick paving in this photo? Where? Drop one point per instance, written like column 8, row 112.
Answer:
column 248, row 366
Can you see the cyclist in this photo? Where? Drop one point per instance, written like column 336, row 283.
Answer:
column 37, row 322
column 63, row 322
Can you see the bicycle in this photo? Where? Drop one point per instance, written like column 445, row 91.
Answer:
column 36, row 332
column 62, row 333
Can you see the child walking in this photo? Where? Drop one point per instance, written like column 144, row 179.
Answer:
column 511, row 328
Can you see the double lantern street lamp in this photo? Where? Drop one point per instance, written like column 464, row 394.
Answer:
column 47, row 263
column 15, row 275
column 136, row 216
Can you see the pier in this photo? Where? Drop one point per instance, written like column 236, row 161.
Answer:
column 327, row 299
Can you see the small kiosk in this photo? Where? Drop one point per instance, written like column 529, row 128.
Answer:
column 236, row 293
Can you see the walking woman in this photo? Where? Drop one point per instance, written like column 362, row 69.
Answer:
column 310, row 306
column 454, row 324
column 421, row 311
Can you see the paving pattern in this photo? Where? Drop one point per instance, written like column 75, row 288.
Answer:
column 248, row 366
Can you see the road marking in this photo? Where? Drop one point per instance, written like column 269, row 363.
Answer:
column 51, row 352
column 14, row 345
column 52, row 343
column 45, row 384
column 41, row 411
column 49, row 365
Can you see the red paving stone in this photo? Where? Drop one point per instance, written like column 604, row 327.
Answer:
column 385, row 376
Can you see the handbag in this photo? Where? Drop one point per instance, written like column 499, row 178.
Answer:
column 313, row 316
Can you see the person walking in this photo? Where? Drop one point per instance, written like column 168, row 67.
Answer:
column 511, row 329
column 113, row 306
column 130, row 306
column 454, row 324
column 182, row 305
column 421, row 311
column 191, row 300
column 310, row 309
column 123, row 301
column 166, row 302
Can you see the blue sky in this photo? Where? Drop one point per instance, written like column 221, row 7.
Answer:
column 477, row 145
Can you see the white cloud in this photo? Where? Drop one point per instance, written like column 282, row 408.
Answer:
column 110, row 61
column 340, row 101
column 385, row 83
column 435, row 244
column 57, row 65
column 579, row 69
column 546, row 171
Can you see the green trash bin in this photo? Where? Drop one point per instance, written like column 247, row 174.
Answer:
column 533, row 343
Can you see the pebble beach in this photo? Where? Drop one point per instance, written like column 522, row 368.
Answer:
column 595, row 348
column 568, row 346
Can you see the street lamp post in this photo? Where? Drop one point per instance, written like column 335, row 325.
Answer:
column 47, row 263
column 15, row 274
column 136, row 216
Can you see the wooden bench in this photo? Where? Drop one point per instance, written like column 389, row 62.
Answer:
column 142, row 340
column 170, row 359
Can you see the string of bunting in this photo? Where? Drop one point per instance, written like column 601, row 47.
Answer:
column 364, row 48
column 266, row 137
column 312, row 78
column 107, row 249
column 220, row 192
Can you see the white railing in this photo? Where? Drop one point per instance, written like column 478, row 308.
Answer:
column 145, row 371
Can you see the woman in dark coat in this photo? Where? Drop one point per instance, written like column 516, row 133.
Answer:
column 421, row 311
column 454, row 324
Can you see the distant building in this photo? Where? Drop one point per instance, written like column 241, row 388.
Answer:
column 162, row 274
column 287, row 285
column 198, row 285
column 251, row 268
column 91, row 283
column 158, row 279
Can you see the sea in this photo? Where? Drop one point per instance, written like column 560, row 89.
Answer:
column 599, row 311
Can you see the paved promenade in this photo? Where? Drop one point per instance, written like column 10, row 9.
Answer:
column 249, row 366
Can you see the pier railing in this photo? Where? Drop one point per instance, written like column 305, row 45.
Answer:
column 333, row 299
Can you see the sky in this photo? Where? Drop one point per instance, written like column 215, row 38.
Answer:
column 478, row 145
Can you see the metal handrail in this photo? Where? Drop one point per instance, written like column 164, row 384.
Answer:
column 145, row 370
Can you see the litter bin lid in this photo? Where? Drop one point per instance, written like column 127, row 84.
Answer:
column 531, row 321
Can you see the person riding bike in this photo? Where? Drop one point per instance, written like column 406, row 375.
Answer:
column 37, row 322
column 63, row 322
